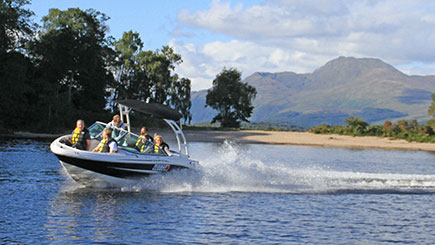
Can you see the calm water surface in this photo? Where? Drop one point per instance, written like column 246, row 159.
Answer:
column 241, row 194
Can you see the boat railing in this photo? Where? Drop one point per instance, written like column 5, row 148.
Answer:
column 179, row 135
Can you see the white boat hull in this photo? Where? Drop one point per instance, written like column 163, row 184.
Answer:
column 92, row 168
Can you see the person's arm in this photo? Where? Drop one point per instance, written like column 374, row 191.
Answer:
column 88, row 143
column 88, row 140
column 69, row 139
column 165, row 147
column 113, row 147
column 96, row 149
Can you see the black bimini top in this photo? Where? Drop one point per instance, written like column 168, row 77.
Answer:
column 154, row 109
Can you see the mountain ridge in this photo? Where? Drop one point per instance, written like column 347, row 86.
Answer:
column 345, row 86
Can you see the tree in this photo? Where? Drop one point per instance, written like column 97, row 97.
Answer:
column 150, row 75
column 431, row 123
column 431, row 110
column 403, row 125
column 387, row 126
column 15, row 68
column 71, row 57
column 231, row 97
column 180, row 98
column 15, row 24
column 413, row 123
column 126, row 66
column 356, row 122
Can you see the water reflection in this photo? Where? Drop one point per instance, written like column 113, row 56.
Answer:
column 84, row 214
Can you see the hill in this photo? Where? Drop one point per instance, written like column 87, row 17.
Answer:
column 364, row 87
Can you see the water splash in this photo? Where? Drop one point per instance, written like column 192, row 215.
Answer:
column 234, row 169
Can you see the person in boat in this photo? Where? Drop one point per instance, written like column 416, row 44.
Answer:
column 160, row 147
column 144, row 140
column 108, row 144
column 80, row 137
column 116, row 124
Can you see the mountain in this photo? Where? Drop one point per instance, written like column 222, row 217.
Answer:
column 364, row 87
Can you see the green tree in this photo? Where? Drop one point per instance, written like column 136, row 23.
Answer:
column 231, row 97
column 126, row 66
column 71, row 57
column 403, row 125
column 431, row 123
column 15, row 68
column 431, row 110
column 413, row 123
column 356, row 122
column 388, row 126
column 15, row 24
column 15, row 90
column 180, row 97
column 150, row 75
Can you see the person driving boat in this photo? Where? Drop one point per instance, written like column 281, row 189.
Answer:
column 160, row 147
column 80, row 137
column 117, row 123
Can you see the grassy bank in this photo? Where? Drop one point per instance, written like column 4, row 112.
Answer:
column 410, row 131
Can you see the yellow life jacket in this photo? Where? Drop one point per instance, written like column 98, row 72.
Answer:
column 157, row 149
column 161, row 149
column 102, row 144
column 75, row 136
column 139, row 145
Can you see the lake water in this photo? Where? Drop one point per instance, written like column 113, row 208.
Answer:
column 242, row 194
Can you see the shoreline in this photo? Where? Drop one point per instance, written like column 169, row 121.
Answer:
column 307, row 139
column 275, row 138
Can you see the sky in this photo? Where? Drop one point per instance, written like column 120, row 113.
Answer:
column 271, row 35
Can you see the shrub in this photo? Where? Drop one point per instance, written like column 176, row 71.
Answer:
column 403, row 125
column 387, row 126
column 431, row 123
column 403, row 130
column 413, row 123
column 356, row 122
column 426, row 130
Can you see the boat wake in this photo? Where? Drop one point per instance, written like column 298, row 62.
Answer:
column 233, row 169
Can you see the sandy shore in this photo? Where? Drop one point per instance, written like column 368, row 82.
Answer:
column 305, row 138
column 277, row 137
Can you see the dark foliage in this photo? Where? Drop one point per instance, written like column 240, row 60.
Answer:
column 66, row 72
column 231, row 97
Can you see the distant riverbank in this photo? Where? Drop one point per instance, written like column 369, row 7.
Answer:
column 276, row 137
column 306, row 138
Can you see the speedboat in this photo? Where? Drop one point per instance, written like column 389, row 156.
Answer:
column 128, row 164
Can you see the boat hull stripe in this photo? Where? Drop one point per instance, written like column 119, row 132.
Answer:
column 108, row 168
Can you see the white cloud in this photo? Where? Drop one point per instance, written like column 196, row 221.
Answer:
column 299, row 36
column 202, row 63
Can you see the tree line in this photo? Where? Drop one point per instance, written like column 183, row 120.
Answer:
column 69, row 68
column 403, row 129
column 408, row 130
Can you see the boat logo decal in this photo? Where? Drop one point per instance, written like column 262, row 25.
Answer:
column 161, row 167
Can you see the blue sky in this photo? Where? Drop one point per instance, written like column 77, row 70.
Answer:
column 155, row 20
column 272, row 35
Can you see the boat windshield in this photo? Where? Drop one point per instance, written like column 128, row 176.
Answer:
column 96, row 131
column 126, row 140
